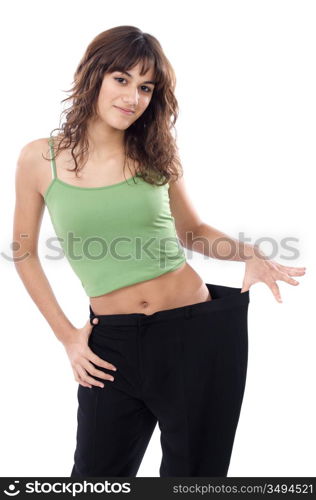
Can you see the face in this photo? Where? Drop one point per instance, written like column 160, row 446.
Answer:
column 128, row 91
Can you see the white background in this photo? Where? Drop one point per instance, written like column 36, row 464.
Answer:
column 246, row 134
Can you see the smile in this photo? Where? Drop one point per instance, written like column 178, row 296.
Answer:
column 123, row 111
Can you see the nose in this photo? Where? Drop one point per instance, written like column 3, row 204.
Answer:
column 131, row 98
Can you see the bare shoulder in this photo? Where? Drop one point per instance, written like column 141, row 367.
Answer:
column 31, row 150
column 30, row 170
column 176, row 181
column 31, row 154
column 175, row 177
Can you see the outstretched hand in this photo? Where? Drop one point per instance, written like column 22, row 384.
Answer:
column 259, row 268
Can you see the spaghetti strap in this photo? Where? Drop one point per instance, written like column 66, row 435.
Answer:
column 52, row 159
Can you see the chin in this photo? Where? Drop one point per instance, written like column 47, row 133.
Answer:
column 117, row 126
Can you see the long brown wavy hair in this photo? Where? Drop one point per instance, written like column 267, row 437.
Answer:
column 149, row 140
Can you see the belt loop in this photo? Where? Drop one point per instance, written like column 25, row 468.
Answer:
column 92, row 316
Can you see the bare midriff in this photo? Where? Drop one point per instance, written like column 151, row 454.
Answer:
column 177, row 288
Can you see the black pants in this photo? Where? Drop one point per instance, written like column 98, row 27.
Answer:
column 184, row 368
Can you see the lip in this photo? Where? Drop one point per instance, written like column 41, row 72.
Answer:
column 125, row 111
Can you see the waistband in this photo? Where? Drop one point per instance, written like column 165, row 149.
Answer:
column 223, row 298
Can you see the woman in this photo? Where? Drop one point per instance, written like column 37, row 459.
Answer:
column 173, row 347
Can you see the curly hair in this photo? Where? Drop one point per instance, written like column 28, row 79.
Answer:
column 149, row 140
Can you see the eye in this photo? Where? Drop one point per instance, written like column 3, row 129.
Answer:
column 119, row 79
column 143, row 86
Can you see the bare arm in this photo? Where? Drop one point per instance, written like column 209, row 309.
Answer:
column 198, row 236
column 29, row 209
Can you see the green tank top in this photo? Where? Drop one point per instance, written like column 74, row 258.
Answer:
column 114, row 236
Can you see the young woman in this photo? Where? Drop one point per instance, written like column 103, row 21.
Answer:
column 160, row 344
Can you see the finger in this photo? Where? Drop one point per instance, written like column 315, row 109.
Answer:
column 92, row 381
column 97, row 373
column 100, row 362
column 84, row 383
column 293, row 271
column 284, row 277
column 86, row 378
column 298, row 271
column 276, row 291
column 79, row 379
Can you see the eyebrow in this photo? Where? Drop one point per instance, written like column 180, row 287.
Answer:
column 128, row 74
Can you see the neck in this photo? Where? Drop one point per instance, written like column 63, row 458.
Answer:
column 104, row 141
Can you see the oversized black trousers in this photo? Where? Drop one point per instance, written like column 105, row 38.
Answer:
column 184, row 368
